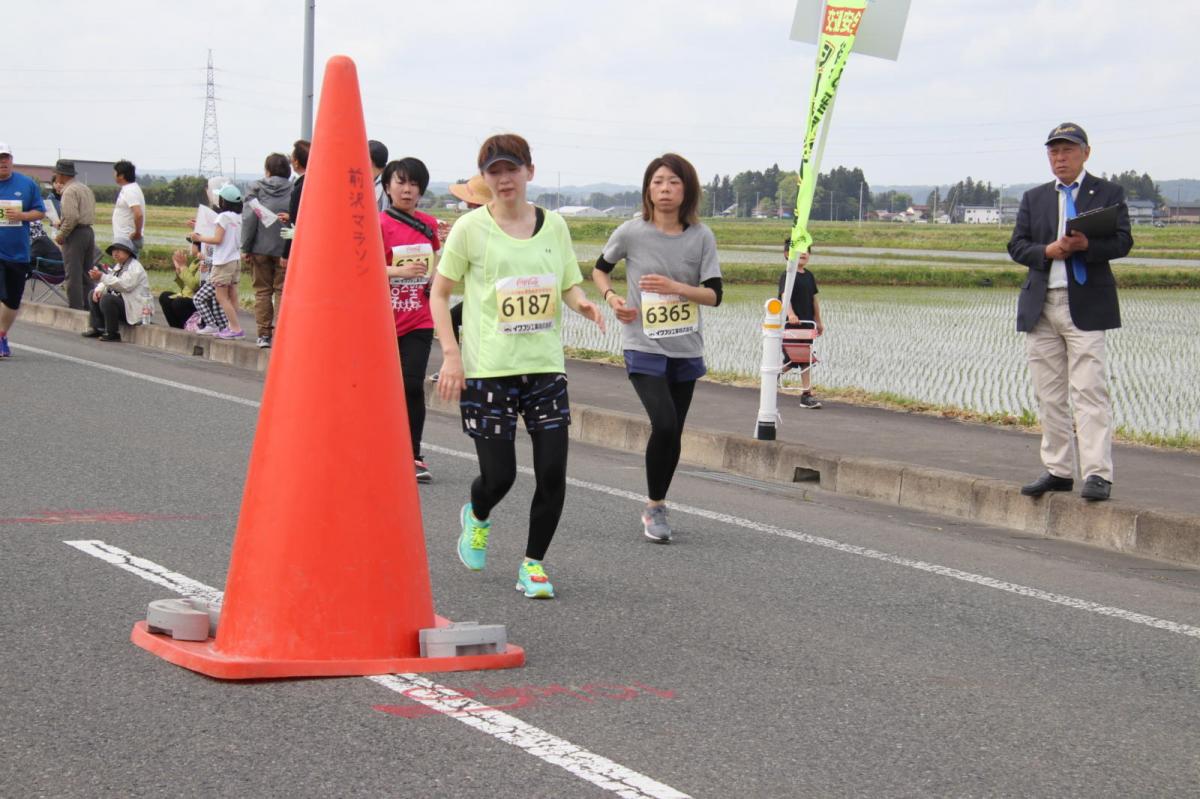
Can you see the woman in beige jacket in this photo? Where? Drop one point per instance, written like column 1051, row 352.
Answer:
column 122, row 294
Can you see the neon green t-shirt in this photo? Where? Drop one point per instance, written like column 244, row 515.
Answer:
column 512, row 297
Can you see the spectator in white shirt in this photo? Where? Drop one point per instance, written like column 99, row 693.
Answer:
column 129, row 211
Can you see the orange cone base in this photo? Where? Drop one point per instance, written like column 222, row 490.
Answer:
column 200, row 656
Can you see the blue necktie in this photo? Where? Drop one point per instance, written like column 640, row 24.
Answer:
column 1074, row 259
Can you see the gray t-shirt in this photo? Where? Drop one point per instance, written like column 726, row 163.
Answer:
column 690, row 257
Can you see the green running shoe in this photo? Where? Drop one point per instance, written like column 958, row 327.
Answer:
column 532, row 579
column 472, row 542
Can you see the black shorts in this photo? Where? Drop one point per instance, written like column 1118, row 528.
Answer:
column 13, row 275
column 490, row 405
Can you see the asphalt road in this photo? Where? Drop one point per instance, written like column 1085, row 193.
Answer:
column 790, row 643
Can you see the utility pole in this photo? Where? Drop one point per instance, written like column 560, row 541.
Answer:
column 860, row 198
column 558, row 193
column 306, row 96
column 210, row 141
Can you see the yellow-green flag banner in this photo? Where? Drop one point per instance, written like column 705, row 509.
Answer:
column 838, row 29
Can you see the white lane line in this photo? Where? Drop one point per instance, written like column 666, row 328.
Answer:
column 138, row 375
column 147, row 570
column 589, row 766
column 599, row 771
column 852, row 549
column 747, row 524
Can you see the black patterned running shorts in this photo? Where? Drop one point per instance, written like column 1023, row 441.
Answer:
column 490, row 405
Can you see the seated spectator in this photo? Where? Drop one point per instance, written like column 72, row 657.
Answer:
column 179, row 307
column 122, row 294
column 41, row 245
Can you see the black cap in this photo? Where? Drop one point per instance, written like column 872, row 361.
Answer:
column 1068, row 131
column 65, row 168
column 497, row 156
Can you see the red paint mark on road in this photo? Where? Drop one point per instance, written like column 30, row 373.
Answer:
column 93, row 517
column 527, row 695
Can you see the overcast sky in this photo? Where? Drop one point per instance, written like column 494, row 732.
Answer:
column 599, row 87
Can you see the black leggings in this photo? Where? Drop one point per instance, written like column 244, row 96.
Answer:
column 414, row 358
column 667, row 405
column 176, row 310
column 498, row 472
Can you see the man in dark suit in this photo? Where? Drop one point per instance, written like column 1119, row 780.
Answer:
column 1066, row 303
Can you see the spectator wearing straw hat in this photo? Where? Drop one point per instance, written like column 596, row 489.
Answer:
column 75, row 234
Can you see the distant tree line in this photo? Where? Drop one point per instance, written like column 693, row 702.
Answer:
column 184, row 190
column 1138, row 187
column 965, row 192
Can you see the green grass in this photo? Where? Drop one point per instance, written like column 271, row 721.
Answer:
column 161, row 281
column 1175, row 241
column 1000, row 276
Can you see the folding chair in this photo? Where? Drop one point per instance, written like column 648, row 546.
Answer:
column 798, row 346
column 47, row 275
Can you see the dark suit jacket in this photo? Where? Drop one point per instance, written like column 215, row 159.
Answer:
column 293, row 212
column 1094, row 304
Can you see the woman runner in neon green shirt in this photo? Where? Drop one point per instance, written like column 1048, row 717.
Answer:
column 518, row 267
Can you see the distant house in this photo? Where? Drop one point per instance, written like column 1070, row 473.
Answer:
column 914, row 213
column 579, row 210
column 1141, row 211
column 90, row 173
column 620, row 211
column 978, row 214
column 1184, row 212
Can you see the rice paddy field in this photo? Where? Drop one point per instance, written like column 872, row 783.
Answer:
column 951, row 346
column 960, row 348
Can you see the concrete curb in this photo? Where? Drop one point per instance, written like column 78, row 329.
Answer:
column 1110, row 525
column 167, row 339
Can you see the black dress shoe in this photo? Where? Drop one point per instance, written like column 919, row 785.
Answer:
column 92, row 332
column 110, row 336
column 1096, row 488
column 1047, row 482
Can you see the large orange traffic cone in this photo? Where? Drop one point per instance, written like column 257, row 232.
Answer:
column 328, row 574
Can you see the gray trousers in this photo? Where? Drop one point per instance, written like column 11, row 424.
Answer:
column 77, row 257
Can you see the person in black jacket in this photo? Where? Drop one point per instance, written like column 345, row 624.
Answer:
column 299, row 166
column 1066, row 303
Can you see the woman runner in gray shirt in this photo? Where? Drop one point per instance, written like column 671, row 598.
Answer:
column 671, row 269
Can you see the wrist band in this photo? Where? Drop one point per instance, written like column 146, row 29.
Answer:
column 606, row 293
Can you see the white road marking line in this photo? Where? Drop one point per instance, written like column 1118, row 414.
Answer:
column 747, row 524
column 138, row 375
column 147, row 570
column 852, row 549
column 596, row 769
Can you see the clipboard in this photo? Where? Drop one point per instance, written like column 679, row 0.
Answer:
column 1098, row 224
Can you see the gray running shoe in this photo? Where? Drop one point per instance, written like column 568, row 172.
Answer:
column 654, row 520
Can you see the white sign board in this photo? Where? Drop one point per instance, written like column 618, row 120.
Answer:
column 879, row 34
